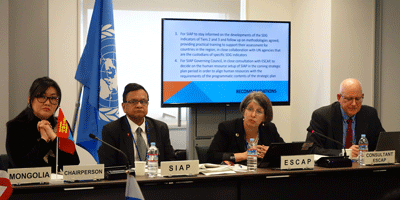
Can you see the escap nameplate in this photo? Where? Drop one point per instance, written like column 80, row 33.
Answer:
column 83, row 172
column 29, row 175
column 180, row 168
column 297, row 162
column 379, row 157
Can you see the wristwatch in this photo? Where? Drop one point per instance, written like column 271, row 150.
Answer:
column 232, row 158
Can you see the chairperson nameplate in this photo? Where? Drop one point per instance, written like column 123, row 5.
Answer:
column 83, row 172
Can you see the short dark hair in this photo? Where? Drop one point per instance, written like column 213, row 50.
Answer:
column 132, row 87
column 39, row 87
column 262, row 100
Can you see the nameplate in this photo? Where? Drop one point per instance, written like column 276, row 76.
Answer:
column 29, row 175
column 297, row 162
column 379, row 157
column 180, row 168
column 83, row 172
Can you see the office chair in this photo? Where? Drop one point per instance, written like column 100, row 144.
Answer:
column 4, row 162
column 180, row 154
column 202, row 153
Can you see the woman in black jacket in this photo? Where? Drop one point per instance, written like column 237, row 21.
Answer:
column 230, row 142
column 31, row 138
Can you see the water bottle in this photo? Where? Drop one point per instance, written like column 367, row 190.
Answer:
column 252, row 156
column 152, row 160
column 363, row 148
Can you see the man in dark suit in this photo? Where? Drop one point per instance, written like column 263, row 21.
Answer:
column 134, row 132
column 344, row 121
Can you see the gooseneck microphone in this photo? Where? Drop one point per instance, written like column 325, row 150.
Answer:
column 333, row 162
column 115, row 148
column 335, row 141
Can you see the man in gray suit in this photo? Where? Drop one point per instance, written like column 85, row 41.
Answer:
column 344, row 121
column 134, row 132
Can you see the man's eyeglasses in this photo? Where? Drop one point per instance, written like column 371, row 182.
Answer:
column 258, row 112
column 135, row 102
column 350, row 99
column 42, row 99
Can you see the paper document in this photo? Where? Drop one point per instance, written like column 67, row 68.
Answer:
column 318, row 156
column 215, row 169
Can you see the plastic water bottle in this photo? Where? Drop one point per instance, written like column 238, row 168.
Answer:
column 252, row 156
column 363, row 148
column 152, row 160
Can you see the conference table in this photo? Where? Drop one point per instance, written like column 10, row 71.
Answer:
column 356, row 182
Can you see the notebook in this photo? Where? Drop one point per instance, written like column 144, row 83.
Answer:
column 272, row 158
column 389, row 141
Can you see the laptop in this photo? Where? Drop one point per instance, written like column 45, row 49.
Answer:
column 389, row 141
column 272, row 158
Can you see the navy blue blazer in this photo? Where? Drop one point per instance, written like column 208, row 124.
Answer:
column 328, row 120
column 231, row 138
column 117, row 133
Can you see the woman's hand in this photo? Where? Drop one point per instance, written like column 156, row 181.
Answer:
column 240, row 156
column 46, row 130
column 261, row 151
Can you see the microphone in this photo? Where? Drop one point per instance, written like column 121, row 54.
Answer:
column 333, row 162
column 116, row 149
column 326, row 137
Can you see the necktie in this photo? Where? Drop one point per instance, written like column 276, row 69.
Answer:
column 141, row 144
column 349, row 136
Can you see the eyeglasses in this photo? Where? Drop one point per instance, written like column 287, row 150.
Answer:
column 135, row 102
column 350, row 99
column 43, row 99
column 258, row 112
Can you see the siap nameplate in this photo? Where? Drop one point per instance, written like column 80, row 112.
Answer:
column 29, row 175
column 297, row 162
column 179, row 168
column 379, row 157
column 83, row 172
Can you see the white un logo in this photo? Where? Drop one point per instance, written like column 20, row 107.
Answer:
column 108, row 76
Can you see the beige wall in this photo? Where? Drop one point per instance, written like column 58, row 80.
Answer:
column 4, row 72
column 63, row 51
column 353, row 36
column 389, row 91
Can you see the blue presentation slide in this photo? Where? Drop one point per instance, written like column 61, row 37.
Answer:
column 217, row 61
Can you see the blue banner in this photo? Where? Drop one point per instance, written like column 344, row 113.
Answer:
column 97, row 71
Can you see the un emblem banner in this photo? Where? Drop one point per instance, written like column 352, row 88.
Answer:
column 97, row 71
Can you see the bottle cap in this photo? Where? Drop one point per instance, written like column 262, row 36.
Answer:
column 153, row 144
column 251, row 139
column 362, row 135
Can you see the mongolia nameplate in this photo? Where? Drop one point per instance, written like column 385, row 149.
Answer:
column 29, row 175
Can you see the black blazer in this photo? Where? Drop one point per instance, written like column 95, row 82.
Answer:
column 231, row 138
column 328, row 120
column 24, row 145
column 117, row 133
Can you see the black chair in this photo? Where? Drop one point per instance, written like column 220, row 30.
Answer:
column 202, row 153
column 180, row 154
column 4, row 162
